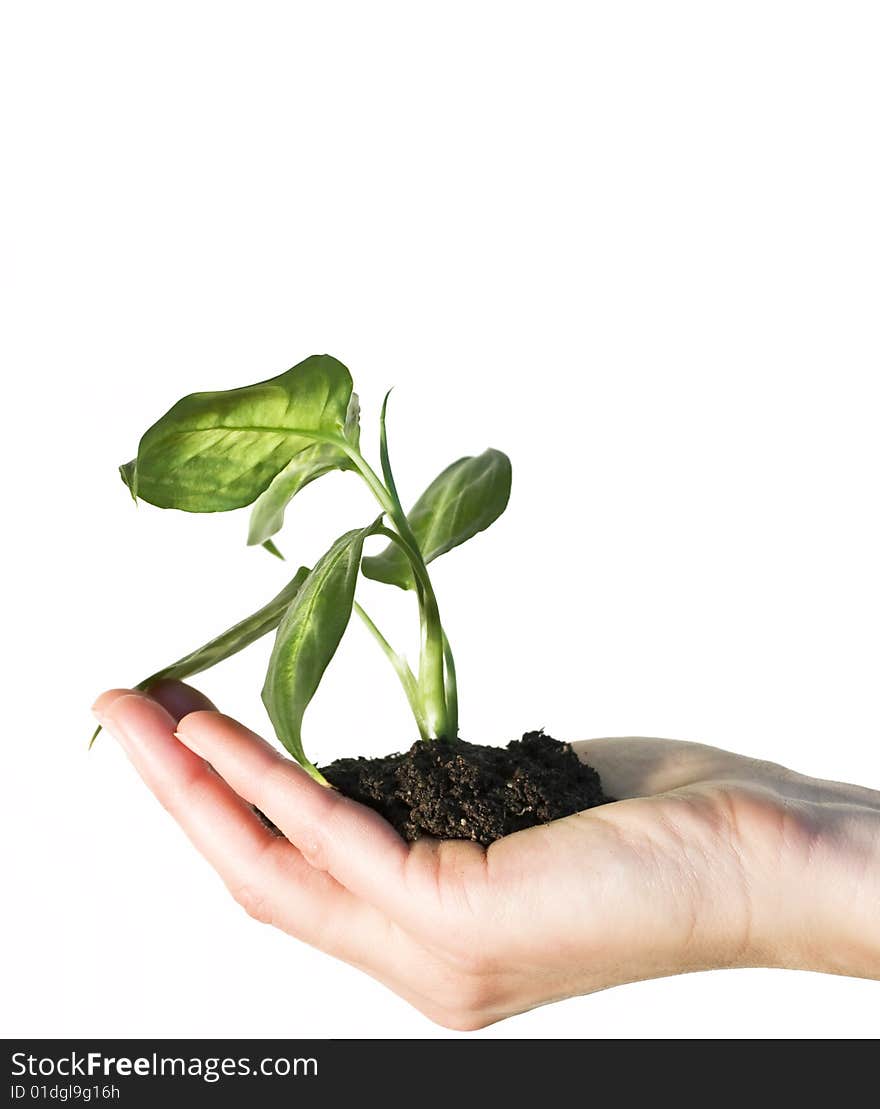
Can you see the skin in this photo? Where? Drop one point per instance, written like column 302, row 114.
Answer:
column 708, row 860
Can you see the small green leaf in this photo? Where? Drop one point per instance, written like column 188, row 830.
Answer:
column 384, row 457
column 244, row 633
column 465, row 499
column 352, row 430
column 307, row 639
column 213, row 452
column 269, row 546
column 128, row 473
column 267, row 514
column 230, row 642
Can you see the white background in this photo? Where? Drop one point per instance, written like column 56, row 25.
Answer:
column 635, row 245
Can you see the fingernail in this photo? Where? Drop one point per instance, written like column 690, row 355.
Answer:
column 106, row 701
column 99, row 710
column 187, row 742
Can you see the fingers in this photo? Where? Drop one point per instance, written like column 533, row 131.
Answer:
column 217, row 821
column 178, row 699
column 265, row 873
column 351, row 842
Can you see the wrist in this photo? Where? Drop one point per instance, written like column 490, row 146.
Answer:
column 817, row 891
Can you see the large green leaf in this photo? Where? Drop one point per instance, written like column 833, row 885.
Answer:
column 465, row 499
column 230, row 642
column 217, row 451
column 307, row 639
column 267, row 514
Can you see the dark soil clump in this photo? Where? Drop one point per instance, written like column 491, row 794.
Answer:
column 461, row 790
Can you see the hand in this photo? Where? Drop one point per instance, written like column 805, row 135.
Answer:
column 708, row 860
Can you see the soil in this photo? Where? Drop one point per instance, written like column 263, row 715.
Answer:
column 460, row 790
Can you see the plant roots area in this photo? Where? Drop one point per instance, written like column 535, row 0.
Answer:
column 460, row 790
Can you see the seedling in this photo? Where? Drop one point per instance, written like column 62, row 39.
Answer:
column 260, row 445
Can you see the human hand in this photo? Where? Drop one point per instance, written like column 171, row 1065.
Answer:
column 708, row 860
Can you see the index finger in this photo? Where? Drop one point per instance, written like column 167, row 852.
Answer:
column 264, row 872
column 335, row 834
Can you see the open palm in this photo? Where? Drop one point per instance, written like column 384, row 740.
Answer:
column 708, row 859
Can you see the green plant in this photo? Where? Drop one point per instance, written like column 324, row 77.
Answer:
column 260, row 445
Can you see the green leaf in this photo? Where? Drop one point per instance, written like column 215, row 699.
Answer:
column 230, row 642
column 128, row 473
column 244, row 633
column 213, row 452
column 267, row 514
column 465, row 499
column 352, row 429
column 307, row 639
column 273, row 550
column 384, row 458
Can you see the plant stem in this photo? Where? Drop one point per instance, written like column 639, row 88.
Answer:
column 407, row 679
column 315, row 773
column 451, row 689
column 432, row 678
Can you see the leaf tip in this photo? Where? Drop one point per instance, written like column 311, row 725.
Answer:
column 128, row 473
column 385, row 404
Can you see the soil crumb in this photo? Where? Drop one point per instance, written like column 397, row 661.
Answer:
column 460, row 790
